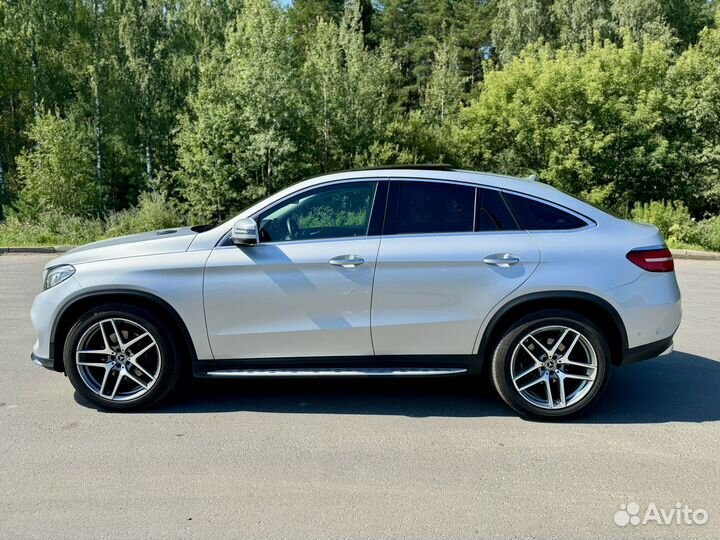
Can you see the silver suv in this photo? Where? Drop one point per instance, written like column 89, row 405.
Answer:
column 390, row 272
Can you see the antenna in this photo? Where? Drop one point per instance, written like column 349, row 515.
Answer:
column 533, row 177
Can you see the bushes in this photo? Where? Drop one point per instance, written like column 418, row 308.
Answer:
column 679, row 229
column 152, row 212
column 672, row 218
column 57, row 172
column 49, row 228
column 708, row 233
column 53, row 228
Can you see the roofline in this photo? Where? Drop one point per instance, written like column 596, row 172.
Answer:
column 410, row 167
column 431, row 167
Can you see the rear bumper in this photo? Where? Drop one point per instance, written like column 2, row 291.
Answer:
column 645, row 352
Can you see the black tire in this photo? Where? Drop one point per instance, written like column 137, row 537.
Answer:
column 169, row 369
column 510, row 340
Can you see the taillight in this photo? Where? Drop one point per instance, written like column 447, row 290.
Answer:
column 652, row 260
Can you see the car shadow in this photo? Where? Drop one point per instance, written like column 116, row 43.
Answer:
column 680, row 387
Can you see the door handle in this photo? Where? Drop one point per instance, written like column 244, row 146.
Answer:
column 503, row 260
column 347, row 261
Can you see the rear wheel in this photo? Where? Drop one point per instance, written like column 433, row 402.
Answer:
column 121, row 357
column 552, row 364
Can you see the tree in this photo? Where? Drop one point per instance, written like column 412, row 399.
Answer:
column 587, row 123
column 443, row 93
column 58, row 172
column 520, row 23
column 148, row 32
column 683, row 18
column 243, row 136
column 694, row 87
column 346, row 89
column 416, row 28
column 581, row 21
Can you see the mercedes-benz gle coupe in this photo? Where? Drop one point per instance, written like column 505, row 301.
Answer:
column 415, row 271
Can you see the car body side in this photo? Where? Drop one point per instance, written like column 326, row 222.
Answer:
column 581, row 267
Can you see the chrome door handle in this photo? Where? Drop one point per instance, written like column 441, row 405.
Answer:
column 503, row 260
column 347, row 261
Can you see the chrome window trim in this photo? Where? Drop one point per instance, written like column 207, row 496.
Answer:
column 589, row 223
column 225, row 238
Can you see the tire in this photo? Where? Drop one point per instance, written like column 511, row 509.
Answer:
column 522, row 372
column 110, row 374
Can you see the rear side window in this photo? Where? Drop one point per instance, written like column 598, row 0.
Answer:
column 492, row 212
column 533, row 215
column 432, row 207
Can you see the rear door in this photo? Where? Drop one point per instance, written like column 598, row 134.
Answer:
column 449, row 253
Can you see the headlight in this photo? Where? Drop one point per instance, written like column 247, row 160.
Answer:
column 57, row 275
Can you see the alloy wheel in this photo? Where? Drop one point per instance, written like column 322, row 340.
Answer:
column 118, row 359
column 553, row 367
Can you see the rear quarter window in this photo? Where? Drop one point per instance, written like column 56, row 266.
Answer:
column 534, row 215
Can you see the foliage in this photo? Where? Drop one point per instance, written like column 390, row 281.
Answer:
column 694, row 94
column 153, row 212
column 57, row 172
column 210, row 105
column 708, row 233
column 241, row 138
column 345, row 91
column 580, row 120
column 672, row 218
column 51, row 227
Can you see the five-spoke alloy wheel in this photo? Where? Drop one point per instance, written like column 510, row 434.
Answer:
column 119, row 357
column 551, row 364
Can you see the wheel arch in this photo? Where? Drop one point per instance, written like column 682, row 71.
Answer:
column 596, row 309
column 84, row 302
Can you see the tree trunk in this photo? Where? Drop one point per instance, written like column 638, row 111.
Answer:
column 2, row 183
column 98, row 148
column 34, row 70
column 98, row 122
column 149, row 164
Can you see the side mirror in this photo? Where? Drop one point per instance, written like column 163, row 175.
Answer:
column 245, row 232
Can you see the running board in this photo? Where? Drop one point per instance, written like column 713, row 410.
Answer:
column 332, row 372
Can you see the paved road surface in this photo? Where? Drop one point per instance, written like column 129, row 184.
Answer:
column 358, row 459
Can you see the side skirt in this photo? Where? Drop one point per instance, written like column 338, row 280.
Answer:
column 352, row 366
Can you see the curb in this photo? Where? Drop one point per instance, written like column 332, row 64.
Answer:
column 695, row 255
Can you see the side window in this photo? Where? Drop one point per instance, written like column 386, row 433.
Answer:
column 432, row 207
column 337, row 211
column 492, row 212
column 533, row 215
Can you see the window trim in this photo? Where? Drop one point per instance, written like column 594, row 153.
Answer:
column 377, row 198
column 225, row 240
column 589, row 223
column 387, row 181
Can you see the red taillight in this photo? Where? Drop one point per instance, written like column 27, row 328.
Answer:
column 652, row 260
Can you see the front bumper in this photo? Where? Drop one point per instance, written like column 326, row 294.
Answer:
column 645, row 352
column 47, row 363
column 44, row 311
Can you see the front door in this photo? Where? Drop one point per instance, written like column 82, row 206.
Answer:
column 305, row 289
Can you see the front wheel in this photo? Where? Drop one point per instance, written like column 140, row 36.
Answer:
column 120, row 357
column 552, row 364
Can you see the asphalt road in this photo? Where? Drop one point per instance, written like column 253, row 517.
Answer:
column 358, row 459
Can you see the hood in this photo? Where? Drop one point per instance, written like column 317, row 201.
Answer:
column 134, row 245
